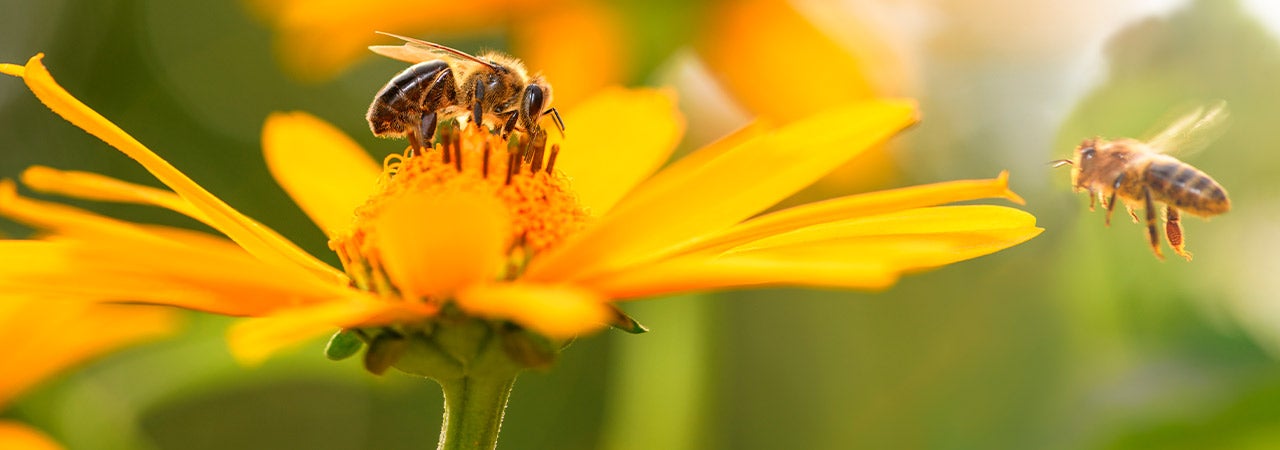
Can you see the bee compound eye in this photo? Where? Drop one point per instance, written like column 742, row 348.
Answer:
column 534, row 98
column 1088, row 153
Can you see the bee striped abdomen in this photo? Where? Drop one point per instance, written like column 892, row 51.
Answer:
column 1186, row 188
column 402, row 96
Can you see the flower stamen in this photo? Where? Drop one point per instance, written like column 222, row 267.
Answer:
column 541, row 208
column 551, row 161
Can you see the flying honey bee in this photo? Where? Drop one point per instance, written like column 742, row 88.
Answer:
column 443, row 82
column 1143, row 173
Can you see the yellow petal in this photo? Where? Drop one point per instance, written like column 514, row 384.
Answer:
column 113, row 260
column 918, row 221
column 847, row 60
column 685, row 169
column 17, row 436
column 327, row 174
column 555, row 311
column 254, row 340
column 868, row 253
column 433, row 245
column 907, row 240
column 614, row 140
column 44, row 337
column 859, row 206
column 728, row 189
column 904, row 253
column 92, row 186
column 65, row 220
column 693, row 274
column 144, row 272
column 257, row 239
column 12, row 69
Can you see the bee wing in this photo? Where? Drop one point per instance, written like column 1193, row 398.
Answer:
column 406, row 53
column 1193, row 131
column 415, row 51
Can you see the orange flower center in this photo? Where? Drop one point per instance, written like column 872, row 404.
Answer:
column 518, row 171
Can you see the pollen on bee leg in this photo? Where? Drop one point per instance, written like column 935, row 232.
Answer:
column 1173, row 231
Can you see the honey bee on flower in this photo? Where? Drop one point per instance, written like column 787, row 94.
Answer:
column 443, row 82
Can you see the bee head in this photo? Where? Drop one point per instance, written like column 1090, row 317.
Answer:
column 1085, row 158
column 535, row 102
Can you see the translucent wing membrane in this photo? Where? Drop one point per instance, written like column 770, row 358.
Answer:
column 415, row 51
column 1192, row 131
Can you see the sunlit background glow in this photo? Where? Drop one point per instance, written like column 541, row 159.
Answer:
column 1077, row 339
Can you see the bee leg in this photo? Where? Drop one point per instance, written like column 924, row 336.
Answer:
column 512, row 118
column 1111, row 203
column 1173, row 230
column 1132, row 214
column 555, row 115
column 1093, row 197
column 1152, row 234
column 427, row 127
column 439, row 94
column 476, row 110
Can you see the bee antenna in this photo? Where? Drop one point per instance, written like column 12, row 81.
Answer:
column 1061, row 162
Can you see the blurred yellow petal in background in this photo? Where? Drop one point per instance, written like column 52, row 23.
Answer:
column 780, row 65
column 317, row 39
column 16, row 436
column 44, row 336
column 580, row 47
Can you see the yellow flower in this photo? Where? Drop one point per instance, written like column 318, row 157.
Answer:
column 544, row 236
column 43, row 336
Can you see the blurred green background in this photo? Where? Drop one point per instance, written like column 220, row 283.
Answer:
column 1077, row 339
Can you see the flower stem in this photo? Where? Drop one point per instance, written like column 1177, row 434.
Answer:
column 473, row 409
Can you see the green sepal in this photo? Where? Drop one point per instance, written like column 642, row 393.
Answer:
column 342, row 345
column 620, row 320
column 528, row 349
column 384, row 351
